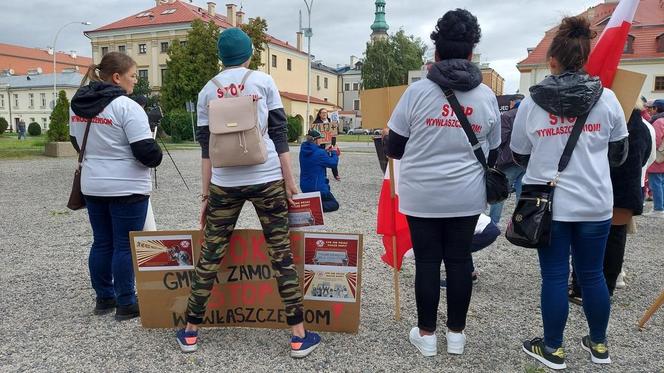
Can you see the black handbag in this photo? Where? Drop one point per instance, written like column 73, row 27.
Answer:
column 76, row 200
column 530, row 225
column 497, row 185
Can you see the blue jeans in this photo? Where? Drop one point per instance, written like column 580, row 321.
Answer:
column 330, row 203
column 586, row 241
column 514, row 175
column 111, row 268
column 656, row 183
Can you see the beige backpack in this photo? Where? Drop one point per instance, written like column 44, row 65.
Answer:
column 236, row 138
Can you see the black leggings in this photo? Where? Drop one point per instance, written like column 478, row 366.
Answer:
column 447, row 240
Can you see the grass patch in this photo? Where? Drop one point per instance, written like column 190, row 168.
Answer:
column 11, row 147
column 535, row 369
column 355, row 138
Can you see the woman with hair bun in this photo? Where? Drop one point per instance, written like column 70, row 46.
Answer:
column 442, row 188
column 583, row 199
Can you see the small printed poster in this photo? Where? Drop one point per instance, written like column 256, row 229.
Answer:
column 164, row 252
column 307, row 211
column 330, row 267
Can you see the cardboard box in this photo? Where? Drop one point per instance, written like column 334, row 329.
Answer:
column 627, row 87
column 378, row 104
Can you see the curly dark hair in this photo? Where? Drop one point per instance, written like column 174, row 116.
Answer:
column 571, row 43
column 456, row 34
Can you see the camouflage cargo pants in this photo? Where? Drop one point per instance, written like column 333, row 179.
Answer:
column 224, row 206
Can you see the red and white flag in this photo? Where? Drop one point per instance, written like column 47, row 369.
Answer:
column 605, row 56
column 391, row 223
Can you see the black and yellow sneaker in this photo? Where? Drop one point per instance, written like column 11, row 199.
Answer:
column 599, row 353
column 536, row 349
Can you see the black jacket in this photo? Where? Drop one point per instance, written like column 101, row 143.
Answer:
column 90, row 100
column 626, row 178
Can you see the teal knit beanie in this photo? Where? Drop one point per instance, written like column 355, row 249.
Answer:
column 234, row 47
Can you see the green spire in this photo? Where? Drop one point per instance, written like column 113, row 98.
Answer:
column 380, row 25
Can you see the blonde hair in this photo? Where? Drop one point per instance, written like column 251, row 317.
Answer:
column 111, row 63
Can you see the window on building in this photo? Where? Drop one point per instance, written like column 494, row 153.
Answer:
column 43, row 122
column 660, row 44
column 31, row 100
column 629, row 45
column 318, row 82
column 143, row 73
column 183, row 43
column 659, row 83
column 142, row 49
column 32, row 120
column 356, row 104
column 356, row 86
column 289, row 64
column 2, row 101
column 325, row 83
column 42, row 97
column 122, row 49
column 164, row 74
column 164, row 47
column 274, row 60
column 15, row 101
column 104, row 50
column 347, row 87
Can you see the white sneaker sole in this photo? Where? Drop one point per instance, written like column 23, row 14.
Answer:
column 299, row 354
column 424, row 352
column 187, row 348
column 593, row 358
column 544, row 361
column 455, row 350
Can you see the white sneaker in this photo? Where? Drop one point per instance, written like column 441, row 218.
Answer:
column 620, row 281
column 428, row 344
column 655, row 214
column 455, row 343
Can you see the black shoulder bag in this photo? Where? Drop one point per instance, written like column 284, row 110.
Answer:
column 497, row 185
column 530, row 225
column 76, row 200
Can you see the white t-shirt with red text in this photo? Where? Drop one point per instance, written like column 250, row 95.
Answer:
column 439, row 175
column 584, row 192
column 109, row 166
column 262, row 87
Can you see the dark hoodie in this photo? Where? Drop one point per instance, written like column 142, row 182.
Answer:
column 92, row 99
column 457, row 74
column 571, row 95
column 313, row 163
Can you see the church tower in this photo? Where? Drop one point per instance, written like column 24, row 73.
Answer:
column 379, row 27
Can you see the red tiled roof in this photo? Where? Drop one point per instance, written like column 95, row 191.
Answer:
column 648, row 25
column 303, row 98
column 21, row 59
column 184, row 13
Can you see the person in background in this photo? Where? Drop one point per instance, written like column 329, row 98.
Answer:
column 115, row 176
column 657, row 111
column 505, row 162
column 648, row 110
column 20, row 129
column 322, row 121
column 581, row 220
column 656, row 170
column 314, row 163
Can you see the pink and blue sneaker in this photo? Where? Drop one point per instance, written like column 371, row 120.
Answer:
column 301, row 347
column 187, row 340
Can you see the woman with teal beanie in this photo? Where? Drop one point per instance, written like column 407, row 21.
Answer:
column 269, row 186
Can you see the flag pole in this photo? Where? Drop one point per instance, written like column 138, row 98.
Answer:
column 397, row 307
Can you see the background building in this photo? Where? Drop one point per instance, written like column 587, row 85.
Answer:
column 643, row 53
column 18, row 60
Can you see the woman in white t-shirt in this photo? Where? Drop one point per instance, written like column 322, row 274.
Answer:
column 115, row 176
column 583, row 199
column 269, row 186
column 441, row 183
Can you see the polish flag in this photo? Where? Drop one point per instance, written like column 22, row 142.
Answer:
column 605, row 56
column 391, row 223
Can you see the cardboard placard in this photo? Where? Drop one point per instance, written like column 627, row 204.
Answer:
column 330, row 267
column 245, row 293
column 307, row 210
column 378, row 104
column 627, row 87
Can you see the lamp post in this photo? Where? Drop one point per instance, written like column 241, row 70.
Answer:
column 55, row 94
column 308, row 33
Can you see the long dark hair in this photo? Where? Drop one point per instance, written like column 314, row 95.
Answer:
column 111, row 63
column 318, row 118
column 571, row 43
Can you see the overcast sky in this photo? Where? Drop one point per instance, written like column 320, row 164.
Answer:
column 341, row 27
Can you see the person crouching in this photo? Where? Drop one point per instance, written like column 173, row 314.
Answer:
column 314, row 162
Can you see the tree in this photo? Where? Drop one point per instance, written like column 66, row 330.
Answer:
column 387, row 62
column 3, row 125
column 190, row 66
column 256, row 28
column 59, row 127
column 142, row 87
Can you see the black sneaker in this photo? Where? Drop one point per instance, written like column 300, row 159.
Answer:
column 536, row 349
column 574, row 297
column 104, row 306
column 443, row 283
column 599, row 353
column 126, row 312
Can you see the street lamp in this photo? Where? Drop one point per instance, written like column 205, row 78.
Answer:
column 308, row 33
column 55, row 94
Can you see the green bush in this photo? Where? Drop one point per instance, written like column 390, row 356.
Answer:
column 34, row 129
column 3, row 125
column 294, row 128
column 177, row 124
column 58, row 129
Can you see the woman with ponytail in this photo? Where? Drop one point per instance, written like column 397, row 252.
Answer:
column 115, row 176
column 583, row 199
